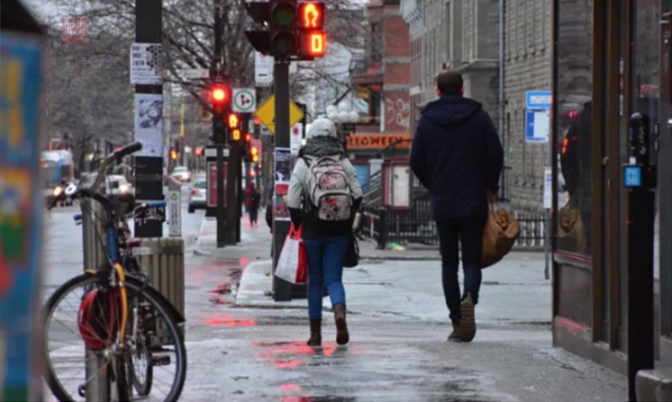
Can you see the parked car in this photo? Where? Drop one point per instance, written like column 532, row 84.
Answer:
column 115, row 184
column 182, row 174
column 197, row 196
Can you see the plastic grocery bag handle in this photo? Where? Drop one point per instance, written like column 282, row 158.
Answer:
column 294, row 233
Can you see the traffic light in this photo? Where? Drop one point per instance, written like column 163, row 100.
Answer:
column 235, row 134
column 233, row 120
column 288, row 30
column 219, row 96
column 173, row 154
column 254, row 152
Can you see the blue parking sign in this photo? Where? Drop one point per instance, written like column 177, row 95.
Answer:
column 632, row 176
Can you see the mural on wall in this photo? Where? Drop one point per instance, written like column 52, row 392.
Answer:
column 397, row 112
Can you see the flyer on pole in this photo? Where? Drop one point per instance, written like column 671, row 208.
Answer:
column 149, row 124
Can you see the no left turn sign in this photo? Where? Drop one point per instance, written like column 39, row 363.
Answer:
column 244, row 100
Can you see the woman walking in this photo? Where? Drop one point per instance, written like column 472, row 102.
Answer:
column 324, row 195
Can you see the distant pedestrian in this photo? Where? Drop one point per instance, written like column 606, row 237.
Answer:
column 324, row 195
column 457, row 155
column 252, row 202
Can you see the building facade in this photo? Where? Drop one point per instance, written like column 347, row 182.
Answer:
column 456, row 34
column 526, row 63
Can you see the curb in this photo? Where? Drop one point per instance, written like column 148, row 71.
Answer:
column 201, row 252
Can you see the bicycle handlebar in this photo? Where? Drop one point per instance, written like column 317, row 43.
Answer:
column 127, row 150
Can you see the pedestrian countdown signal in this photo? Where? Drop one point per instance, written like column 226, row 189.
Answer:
column 311, row 15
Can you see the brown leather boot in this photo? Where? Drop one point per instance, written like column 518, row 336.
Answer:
column 455, row 335
column 342, row 335
column 467, row 329
column 315, row 332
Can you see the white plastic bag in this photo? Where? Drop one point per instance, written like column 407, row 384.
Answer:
column 293, row 264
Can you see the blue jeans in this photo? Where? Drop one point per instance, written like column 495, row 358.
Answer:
column 325, row 266
column 469, row 233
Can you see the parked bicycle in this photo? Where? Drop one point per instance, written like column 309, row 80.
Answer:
column 124, row 333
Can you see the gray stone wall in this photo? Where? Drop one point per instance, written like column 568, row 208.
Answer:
column 527, row 67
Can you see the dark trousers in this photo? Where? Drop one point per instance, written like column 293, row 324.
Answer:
column 466, row 234
column 254, row 212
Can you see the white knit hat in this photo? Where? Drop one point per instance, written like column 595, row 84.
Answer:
column 322, row 127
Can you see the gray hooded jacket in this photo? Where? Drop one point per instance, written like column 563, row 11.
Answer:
column 321, row 140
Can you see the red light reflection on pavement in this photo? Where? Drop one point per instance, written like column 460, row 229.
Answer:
column 296, row 399
column 222, row 320
column 244, row 261
column 290, row 387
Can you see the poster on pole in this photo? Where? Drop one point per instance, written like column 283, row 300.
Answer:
column 282, row 174
column 149, row 124
column 21, row 209
column 146, row 60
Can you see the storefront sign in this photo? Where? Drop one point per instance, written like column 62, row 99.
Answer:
column 376, row 141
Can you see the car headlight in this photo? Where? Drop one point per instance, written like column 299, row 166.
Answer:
column 58, row 190
column 123, row 188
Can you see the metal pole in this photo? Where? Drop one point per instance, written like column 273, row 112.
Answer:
column 547, row 228
column 282, row 290
column 95, row 367
column 232, row 210
column 221, row 147
column 148, row 169
column 501, row 98
column 640, row 228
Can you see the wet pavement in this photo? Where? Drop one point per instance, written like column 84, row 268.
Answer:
column 398, row 325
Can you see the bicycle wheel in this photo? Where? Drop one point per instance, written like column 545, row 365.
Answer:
column 69, row 381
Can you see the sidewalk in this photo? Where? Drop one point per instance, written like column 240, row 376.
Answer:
column 513, row 291
column 252, row 239
column 255, row 350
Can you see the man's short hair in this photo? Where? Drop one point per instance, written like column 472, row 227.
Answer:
column 449, row 82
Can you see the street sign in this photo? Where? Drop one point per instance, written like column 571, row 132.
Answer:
column 266, row 113
column 632, row 176
column 538, row 99
column 263, row 70
column 537, row 126
column 244, row 100
column 295, row 137
column 195, row 73
column 175, row 209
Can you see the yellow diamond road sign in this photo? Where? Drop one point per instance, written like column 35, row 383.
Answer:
column 266, row 113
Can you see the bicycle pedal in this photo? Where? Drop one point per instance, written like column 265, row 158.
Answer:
column 160, row 360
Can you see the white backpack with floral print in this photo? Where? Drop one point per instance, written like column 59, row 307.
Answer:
column 328, row 188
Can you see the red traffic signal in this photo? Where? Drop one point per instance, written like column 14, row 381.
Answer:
column 313, row 44
column 311, row 15
column 248, row 137
column 218, row 94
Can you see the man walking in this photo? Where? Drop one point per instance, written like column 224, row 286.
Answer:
column 457, row 155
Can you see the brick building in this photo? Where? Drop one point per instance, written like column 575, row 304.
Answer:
column 384, row 77
column 527, row 67
column 465, row 35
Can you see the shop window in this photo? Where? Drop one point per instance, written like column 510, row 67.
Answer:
column 574, row 128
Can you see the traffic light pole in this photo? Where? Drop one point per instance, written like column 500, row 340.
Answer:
column 232, row 210
column 282, row 290
column 221, row 146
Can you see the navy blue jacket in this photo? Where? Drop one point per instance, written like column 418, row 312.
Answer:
column 457, row 155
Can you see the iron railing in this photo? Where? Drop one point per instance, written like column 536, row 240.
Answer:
column 416, row 225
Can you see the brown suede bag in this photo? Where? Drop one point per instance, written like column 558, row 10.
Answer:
column 500, row 232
